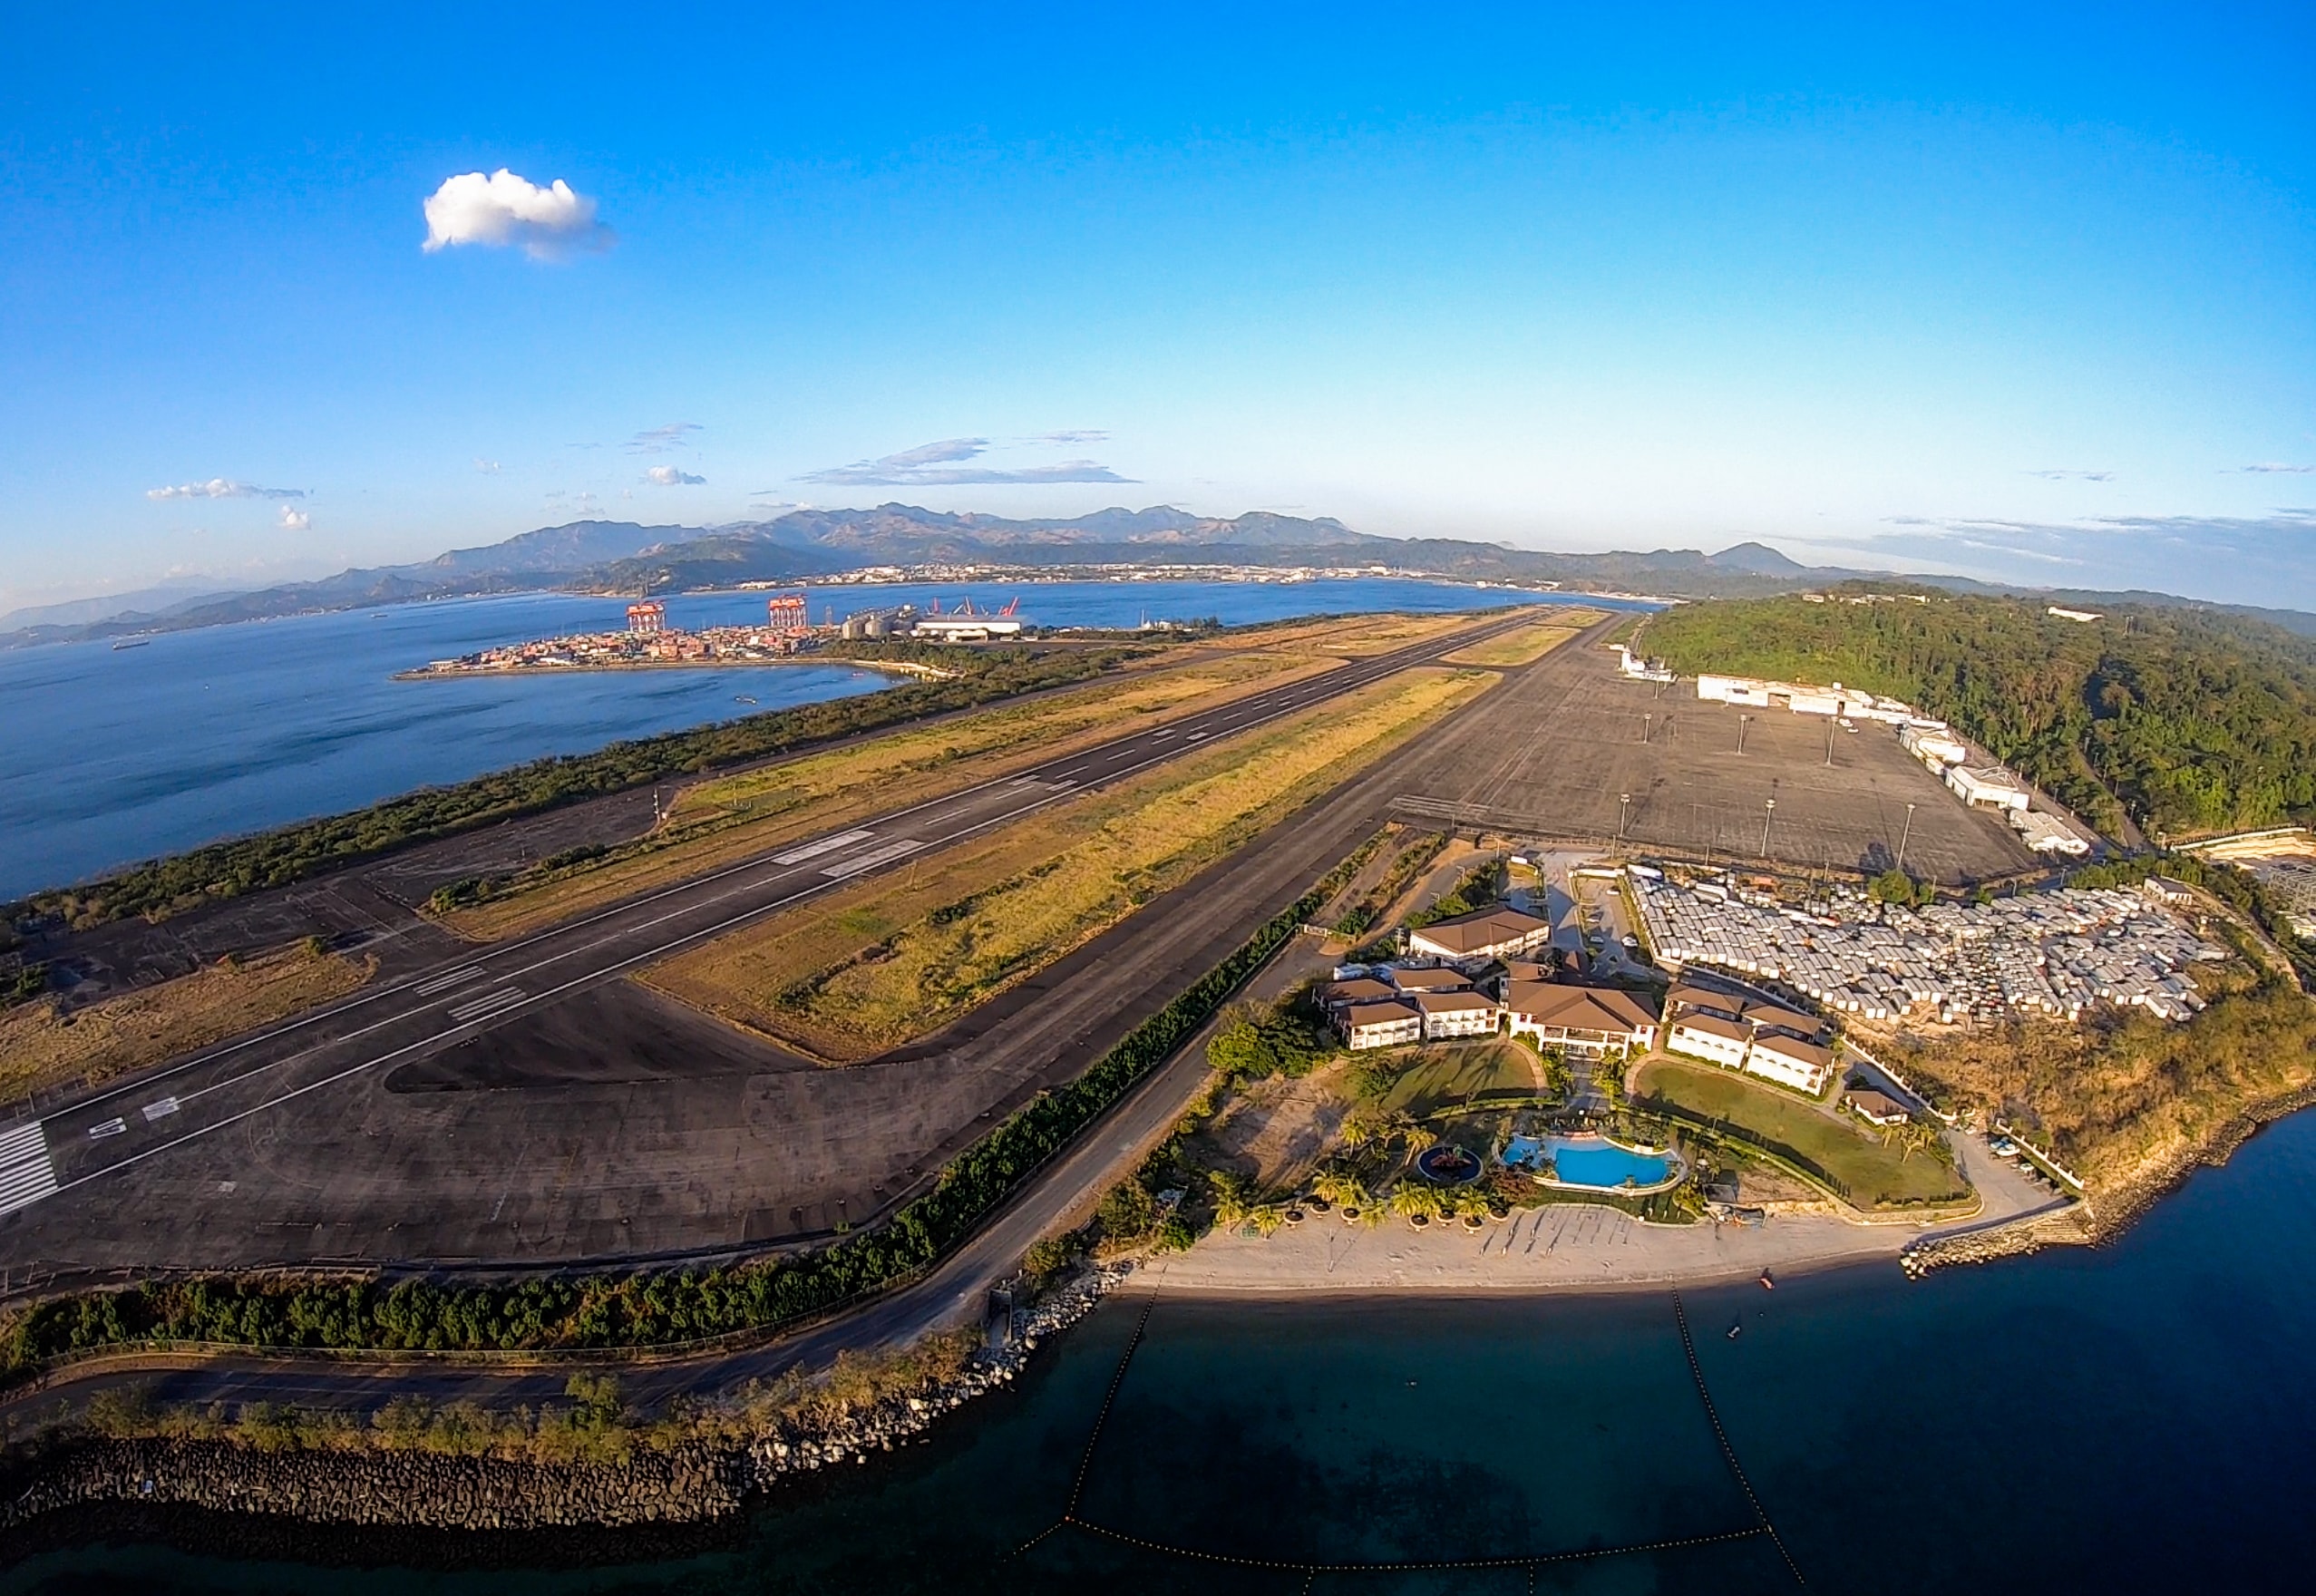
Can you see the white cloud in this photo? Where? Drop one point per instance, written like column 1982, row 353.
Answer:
column 930, row 465
column 294, row 521
column 489, row 468
column 2270, row 467
column 223, row 488
column 503, row 209
column 2073, row 476
column 660, row 440
column 669, row 476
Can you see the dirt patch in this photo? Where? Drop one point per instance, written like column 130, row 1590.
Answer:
column 1274, row 1132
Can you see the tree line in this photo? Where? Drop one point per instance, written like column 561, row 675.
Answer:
column 2190, row 722
column 294, row 853
column 657, row 1309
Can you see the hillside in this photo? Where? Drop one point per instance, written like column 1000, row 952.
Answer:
column 2190, row 720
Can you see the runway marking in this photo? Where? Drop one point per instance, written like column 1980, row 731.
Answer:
column 112, row 1128
column 447, row 979
column 483, row 1008
column 161, row 1108
column 825, row 845
column 26, row 1175
column 873, row 858
column 1378, row 670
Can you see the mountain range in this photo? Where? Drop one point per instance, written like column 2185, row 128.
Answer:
column 624, row 557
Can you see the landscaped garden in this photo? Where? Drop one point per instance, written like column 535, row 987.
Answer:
column 1906, row 1165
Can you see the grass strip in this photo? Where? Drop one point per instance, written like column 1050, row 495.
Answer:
column 640, row 1310
column 896, row 958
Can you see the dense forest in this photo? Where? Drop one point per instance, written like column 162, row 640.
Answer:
column 2190, row 722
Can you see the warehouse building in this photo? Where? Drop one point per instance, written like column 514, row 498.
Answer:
column 1988, row 787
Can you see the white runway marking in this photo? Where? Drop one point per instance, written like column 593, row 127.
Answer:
column 447, row 979
column 873, row 858
column 112, row 1128
column 27, row 1175
column 160, row 1108
column 483, row 1008
column 825, row 845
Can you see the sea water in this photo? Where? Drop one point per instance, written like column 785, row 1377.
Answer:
column 115, row 756
column 2138, row 1417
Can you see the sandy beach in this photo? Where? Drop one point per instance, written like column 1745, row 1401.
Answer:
column 1565, row 1247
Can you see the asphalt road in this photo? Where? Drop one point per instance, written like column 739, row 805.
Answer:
column 71, row 1155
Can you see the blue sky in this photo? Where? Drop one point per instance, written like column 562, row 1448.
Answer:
column 2026, row 297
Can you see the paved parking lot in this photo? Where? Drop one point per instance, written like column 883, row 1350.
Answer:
column 1566, row 769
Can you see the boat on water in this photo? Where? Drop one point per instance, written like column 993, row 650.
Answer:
column 1767, row 1283
column 742, row 698
column 1736, row 1330
column 121, row 643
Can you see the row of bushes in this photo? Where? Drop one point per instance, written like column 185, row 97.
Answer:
column 653, row 1309
column 294, row 853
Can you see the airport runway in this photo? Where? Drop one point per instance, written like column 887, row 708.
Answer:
column 67, row 1159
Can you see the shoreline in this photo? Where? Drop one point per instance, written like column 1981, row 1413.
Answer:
column 903, row 667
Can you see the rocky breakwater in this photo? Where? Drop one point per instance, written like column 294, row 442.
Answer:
column 379, row 1489
column 371, row 1488
column 799, row 1446
column 2060, row 1227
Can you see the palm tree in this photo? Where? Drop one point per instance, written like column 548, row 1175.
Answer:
column 1409, row 1200
column 1359, row 1129
column 1267, row 1218
column 1231, row 1206
column 1470, row 1203
column 1340, row 1188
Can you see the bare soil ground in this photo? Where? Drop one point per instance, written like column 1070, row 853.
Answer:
column 1529, row 644
column 1275, row 1131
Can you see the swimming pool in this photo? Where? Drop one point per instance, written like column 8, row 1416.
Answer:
column 1591, row 1160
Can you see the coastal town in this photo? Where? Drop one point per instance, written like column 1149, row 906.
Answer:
column 786, row 637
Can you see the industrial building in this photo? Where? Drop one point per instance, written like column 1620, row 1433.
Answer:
column 1847, row 702
column 1988, row 787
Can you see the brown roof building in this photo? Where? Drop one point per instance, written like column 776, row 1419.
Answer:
column 1588, row 1019
column 1499, row 931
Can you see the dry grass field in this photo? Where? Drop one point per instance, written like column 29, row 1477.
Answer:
column 41, row 1048
column 864, row 970
column 730, row 818
column 1529, row 644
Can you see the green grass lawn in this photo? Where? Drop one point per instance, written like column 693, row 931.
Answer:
column 1442, row 1074
column 1875, row 1173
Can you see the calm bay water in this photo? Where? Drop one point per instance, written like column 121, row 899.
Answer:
column 118, row 756
column 2138, row 1418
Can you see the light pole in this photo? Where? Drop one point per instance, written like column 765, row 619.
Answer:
column 1645, row 721
column 1829, row 741
column 1768, row 808
column 1743, row 721
column 1904, row 837
column 1623, row 811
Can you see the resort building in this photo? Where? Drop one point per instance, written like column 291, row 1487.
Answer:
column 1591, row 1020
column 1435, row 978
column 1455, row 1014
column 1499, row 931
column 1379, row 1024
column 1711, row 1037
column 1875, row 1107
column 1350, row 993
column 1790, row 1061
